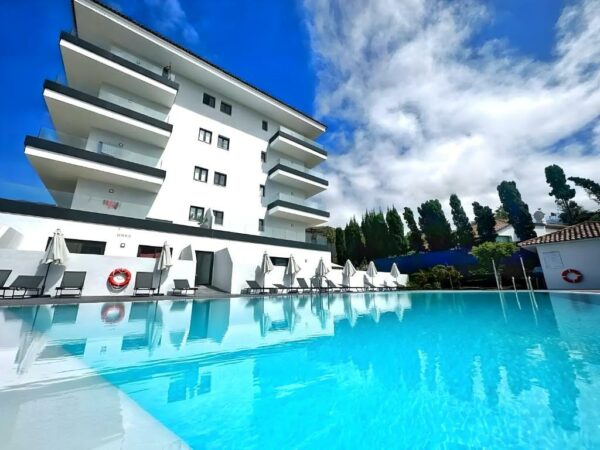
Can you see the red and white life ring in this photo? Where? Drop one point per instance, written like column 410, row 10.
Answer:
column 112, row 312
column 572, row 275
column 119, row 278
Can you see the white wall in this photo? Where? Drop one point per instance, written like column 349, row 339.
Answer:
column 540, row 230
column 90, row 194
column 583, row 256
column 240, row 200
column 234, row 263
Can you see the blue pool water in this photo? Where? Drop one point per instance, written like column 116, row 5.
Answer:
column 385, row 370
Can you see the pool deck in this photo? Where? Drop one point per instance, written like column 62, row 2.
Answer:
column 211, row 294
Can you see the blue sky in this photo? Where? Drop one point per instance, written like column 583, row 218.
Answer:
column 423, row 98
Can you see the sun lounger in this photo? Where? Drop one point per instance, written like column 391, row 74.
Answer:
column 286, row 289
column 25, row 283
column 332, row 286
column 182, row 287
column 255, row 288
column 400, row 286
column 371, row 287
column 350, row 288
column 4, row 274
column 303, row 285
column 72, row 284
column 143, row 282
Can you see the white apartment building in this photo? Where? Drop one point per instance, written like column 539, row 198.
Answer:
column 147, row 138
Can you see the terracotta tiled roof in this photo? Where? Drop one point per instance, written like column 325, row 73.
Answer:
column 584, row 230
column 501, row 224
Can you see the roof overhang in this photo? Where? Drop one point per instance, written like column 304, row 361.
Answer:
column 96, row 22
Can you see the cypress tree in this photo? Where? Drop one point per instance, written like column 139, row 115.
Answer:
column 397, row 244
column 340, row 246
column 486, row 223
column 376, row 234
column 464, row 231
column 415, row 237
column 517, row 210
column 591, row 187
column 354, row 242
column 562, row 193
column 435, row 226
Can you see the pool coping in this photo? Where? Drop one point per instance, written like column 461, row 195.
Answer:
column 35, row 301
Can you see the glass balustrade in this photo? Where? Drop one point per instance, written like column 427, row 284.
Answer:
column 302, row 138
column 120, row 98
column 291, row 199
column 298, row 166
column 113, row 148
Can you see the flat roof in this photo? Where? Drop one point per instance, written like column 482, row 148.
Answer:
column 317, row 127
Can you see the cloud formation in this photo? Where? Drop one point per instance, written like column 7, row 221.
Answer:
column 420, row 111
column 167, row 16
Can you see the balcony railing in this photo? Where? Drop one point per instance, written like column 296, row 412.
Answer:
column 113, row 149
column 100, row 204
column 134, row 105
column 119, row 99
column 309, row 142
column 290, row 199
column 298, row 166
column 162, row 74
column 157, row 117
column 155, row 68
column 286, row 233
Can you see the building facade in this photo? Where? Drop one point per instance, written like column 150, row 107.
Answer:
column 152, row 143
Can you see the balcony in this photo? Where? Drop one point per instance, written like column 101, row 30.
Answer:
column 100, row 203
column 76, row 113
column 283, row 206
column 297, row 176
column 297, row 146
column 61, row 160
column 88, row 67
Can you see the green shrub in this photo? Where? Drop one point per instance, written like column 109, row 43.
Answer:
column 438, row 277
column 488, row 251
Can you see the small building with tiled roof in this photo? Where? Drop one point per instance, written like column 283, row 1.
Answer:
column 570, row 257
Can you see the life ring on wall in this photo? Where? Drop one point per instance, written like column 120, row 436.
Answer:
column 572, row 275
column 119, row 278
column 112, row 312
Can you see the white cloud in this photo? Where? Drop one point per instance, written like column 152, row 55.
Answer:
column 429, row 114
column 169, row 16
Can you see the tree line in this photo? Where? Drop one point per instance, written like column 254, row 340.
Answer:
column 380, row 235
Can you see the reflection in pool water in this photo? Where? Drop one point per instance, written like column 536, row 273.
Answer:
column 388, row 370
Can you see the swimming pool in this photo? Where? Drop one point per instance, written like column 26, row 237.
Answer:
column 383, row 370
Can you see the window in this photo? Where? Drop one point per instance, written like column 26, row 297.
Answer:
column 218, row 217
column 83, row 247
column 208, row 100
column 277, row 261
column 261, row 224
column 223, row 142
column 205, row 136
column 263, row 157
column 265, row 125
column 201, row 174
column 226, row 108
column 150, row 251
column 196, row 213
column 262, row 190
column 220, row 179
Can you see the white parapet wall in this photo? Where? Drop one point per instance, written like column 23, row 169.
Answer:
column 235, row 261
